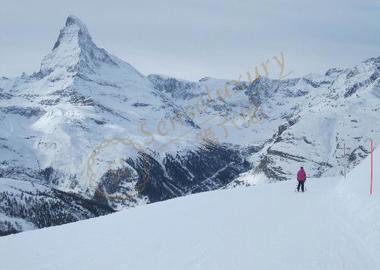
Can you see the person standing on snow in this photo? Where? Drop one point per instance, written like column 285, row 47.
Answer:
column 301, row 178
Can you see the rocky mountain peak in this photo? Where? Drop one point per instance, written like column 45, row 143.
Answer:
column 74, row 31
column 74, row 51
column 75, row 21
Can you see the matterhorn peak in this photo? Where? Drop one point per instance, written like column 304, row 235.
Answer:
column 75, row 21
column 74, row 31
column 74, row 50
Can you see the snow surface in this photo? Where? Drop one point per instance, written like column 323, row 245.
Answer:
column 334, row 225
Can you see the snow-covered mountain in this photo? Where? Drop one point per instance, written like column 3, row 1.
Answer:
column 89, row 126
column 334, row 225
column 305, row 120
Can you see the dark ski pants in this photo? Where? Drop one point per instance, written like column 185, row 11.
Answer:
column 301, row 185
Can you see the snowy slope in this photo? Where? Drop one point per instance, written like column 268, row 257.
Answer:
column 335, row 225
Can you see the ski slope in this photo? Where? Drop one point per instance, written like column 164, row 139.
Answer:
column 334, row 225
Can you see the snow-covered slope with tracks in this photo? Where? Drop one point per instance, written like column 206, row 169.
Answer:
column 334, row 225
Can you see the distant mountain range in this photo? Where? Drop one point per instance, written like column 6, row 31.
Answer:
column 88, row 134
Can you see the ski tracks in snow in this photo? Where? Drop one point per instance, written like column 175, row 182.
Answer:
column 340, row 241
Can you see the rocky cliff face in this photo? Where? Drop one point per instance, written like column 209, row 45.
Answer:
column 91, row 134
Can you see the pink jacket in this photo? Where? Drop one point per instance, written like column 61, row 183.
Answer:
column 301, row 175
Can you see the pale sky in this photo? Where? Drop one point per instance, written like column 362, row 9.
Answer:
column 194, row 39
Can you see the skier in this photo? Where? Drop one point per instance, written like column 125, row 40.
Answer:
column 301, row 178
